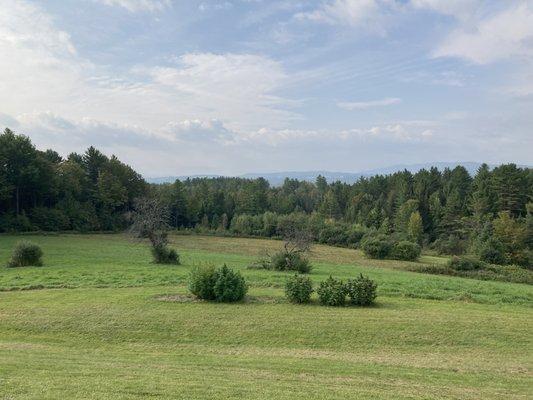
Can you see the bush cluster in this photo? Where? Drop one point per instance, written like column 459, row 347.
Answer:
column 465, row 263
column 332, row 292
column 298, row 289
column 290, row 261
column 26, row 254
column 165, row 255
column 382, row 247
column 405, row 250
column 221, row 284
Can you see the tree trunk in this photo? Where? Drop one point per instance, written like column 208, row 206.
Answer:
column 17, row 200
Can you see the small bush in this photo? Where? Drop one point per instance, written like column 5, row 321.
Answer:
column 362, row 291
column 298, row 289
column 332, row 292
column 377, row 247
column 493, row 252
column 450, row 245
column 333, row 235
column 26, row 254
column 221, row 284
column 285, row 261
column 407, row 251
column 202, row 281
column 165, row 255
column 465, row 263
column 229, row 285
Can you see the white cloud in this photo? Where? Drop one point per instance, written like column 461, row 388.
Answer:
column 363, row 105
column 224, row 5
column 238, row 87
column 138, row 5
column 460, row 9
column 368, row 14
column 501, row 36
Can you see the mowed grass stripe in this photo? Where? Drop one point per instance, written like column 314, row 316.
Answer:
column 409, row 348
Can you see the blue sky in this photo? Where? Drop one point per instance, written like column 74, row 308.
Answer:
column 178, row 87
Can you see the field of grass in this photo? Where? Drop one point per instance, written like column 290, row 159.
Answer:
column 107, row 324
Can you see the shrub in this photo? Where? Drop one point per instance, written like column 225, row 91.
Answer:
column 15, row 223
column 493, row 252
column 290, row 261
column 377, row 247
column 229, row 285
column 26, row 254
column 355, row 235
column 361, row 291
column 332, row 292
column 465, row 263
column 450, row 245
column 333, row 235
column 165, row 255
column 202, row 281
column 298, row 289
column 407, row 251
column 50, row 219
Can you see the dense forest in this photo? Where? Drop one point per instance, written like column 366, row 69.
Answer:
column 449, row 211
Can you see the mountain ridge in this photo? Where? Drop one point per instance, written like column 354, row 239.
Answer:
column 277, row 178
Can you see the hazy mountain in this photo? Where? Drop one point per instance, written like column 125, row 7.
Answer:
column 277, row 178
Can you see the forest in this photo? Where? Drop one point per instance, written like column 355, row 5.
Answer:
column 489, row 215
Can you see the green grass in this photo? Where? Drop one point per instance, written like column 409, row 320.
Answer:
column 118, row 327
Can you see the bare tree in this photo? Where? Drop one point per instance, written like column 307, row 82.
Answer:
column 150, row 220
column 296, row 240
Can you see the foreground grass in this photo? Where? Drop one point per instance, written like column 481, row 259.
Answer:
column 128, row 344
column 110, row 325
column 77, row 261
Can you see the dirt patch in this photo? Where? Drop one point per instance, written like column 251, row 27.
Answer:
column 189, row 298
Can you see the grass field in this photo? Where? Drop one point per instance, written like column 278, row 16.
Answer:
column 107, row 324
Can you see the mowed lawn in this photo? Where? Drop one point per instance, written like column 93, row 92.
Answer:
column 99, row 321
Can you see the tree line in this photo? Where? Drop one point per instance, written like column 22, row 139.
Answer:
column 448, row 210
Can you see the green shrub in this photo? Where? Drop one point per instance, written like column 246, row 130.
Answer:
column 405, row 250
column 50, row 219
column 333, row 235
column 202, row 281
column 221, row 284
column 15, row 223
column 493, row 252
column 355, row 235
column 298, row 289
column 452, row 244
column 465, row 263
column 25, row 254
column 290, row 261
column 229, row 285
column 377, row 247
column 362, row 291
column 165, row 255
column 332, row 292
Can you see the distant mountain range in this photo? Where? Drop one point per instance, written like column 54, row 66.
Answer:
column 277, row 178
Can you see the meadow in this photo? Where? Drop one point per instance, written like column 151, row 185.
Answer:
column 100, row 321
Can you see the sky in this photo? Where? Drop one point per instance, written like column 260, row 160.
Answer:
column 178, row 87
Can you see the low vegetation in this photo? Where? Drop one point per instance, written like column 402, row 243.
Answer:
column 217, row 284
column 332, row 292
column 298, row 289
column 26, row 254
column 362, row 291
